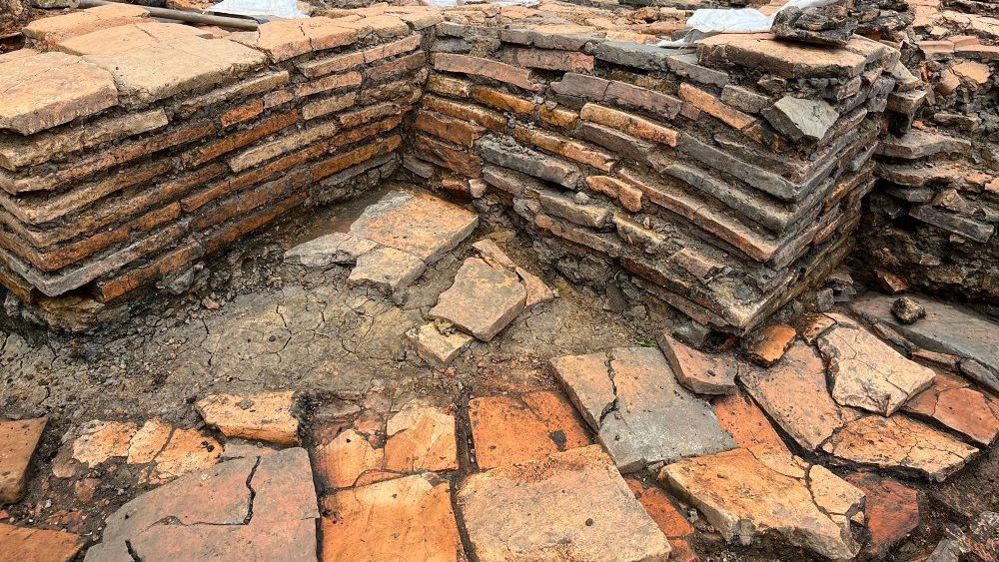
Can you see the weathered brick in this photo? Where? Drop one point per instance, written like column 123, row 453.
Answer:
column 391, row 49
column 250, row 87
column 448, row 128
column 17, row 152
column 398, row 89
column 714, row 107
column 239, row 139
column 629, row 196
column 558, row 116
column 368, row 114
column 320, row 67
column 59, row 205
column 115, row 208
column 384, row 26
column 485, row 117
column 279, row 97
column 259, row 154
column 581, row 85
column 446, row 85
column 627, row 123
column 629, row 95
column 397, row 66
column 549, row 59
column 486, row 68
column 110, row 289
column 371, row 129
column 243, row 202
column 571, row 149
column 502, row 100
column 79, row 250
column 251, row 177
column 229, row 233
column 328, row 105
column 437, row 152
column 241, row 113
column 327, row 83
column 530, row 162
column 745, row 99
column 339, row 162
column 52, row 30
column 114, row 156
column 285, row 39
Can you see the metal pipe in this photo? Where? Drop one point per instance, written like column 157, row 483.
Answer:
column 189, row 17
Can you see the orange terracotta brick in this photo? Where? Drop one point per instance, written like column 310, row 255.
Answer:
column 468, row 165
column 746, row 423
column 337, row 163
column 242, row 203
column 77, row 251
column 487, row 118
column 233, row 231
column 327, row 83
column 558, row 116
column 449, row 86
column 448, row 128
column 767, row 345
column 630, row 124
column 508, row 430
column 241, row 113
column 371, row 129
column 502, row 100
column 397, row 66
column 714, row 107
column 239, row 139
column 110, row 289
column 476, row 66
column 320, row 67
column 368, row 114
column 391, row 49
column 629, row 196
column 572, row 149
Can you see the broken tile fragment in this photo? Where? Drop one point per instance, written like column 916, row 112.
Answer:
column 947, row 328
column 331, row 249
column 867, row 373
column 416, row 223
column 537, row 292
column 514, row 429
column 811, row 326
column 438, row 343
column 92, row 444
column 795, row 395
column 637, row 409
column 891, row 511
column 799, row 118
column 746, row 423
column 900, row 443
column 386, row 269
column 420, row 437
column 251, row 509
column 483, row 300
column 743, row 496
column 18, row 442
column 669, row 519
column 767, row 345
column 572, row 505
column 265, row 416
column 700, row 372
column 404, row 520
column 171, row 452
column 24, row 544
column 343, row 460
column 953, row 402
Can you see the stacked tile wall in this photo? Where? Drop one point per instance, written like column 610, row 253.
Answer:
column 932, row 221
column 131, row 148
column 723, row 180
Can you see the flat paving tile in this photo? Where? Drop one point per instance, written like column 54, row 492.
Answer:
column 572, row 505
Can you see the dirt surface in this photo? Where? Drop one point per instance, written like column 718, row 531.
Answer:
column 249, row 322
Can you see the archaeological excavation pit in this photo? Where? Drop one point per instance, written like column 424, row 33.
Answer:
column 452, row 253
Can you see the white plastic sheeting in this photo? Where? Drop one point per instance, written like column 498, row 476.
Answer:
column 707, row 22
column 285, row 9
